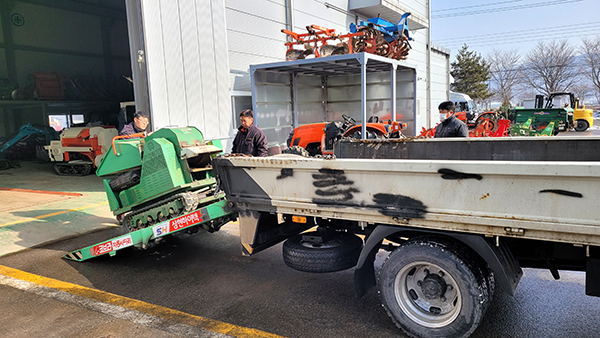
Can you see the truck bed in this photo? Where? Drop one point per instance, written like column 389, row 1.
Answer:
column 549, row 200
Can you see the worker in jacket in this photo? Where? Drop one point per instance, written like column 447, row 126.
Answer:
column 139, row 124
column 450, row 126
column 249, row 140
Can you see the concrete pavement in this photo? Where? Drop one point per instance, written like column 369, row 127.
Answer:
column 38, row 206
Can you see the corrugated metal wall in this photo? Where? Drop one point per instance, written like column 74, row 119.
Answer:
column 199, row 53
column 187, row 65
column 439, row 80
column 254, row 37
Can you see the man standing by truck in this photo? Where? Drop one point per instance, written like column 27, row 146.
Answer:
column 450, row 126
column 249, row 140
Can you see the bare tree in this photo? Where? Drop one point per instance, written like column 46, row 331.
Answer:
column 551, row 67
column 591, row 57
column 583, row 91
column 505, row 73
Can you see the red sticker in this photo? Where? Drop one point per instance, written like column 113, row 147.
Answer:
column 115, row 244
column 185, row 221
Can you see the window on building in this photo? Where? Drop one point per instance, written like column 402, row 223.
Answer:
column 60, row 122
column 239, row 103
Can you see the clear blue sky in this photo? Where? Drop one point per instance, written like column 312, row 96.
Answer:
column 512, row 24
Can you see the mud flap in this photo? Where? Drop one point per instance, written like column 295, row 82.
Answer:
column 592, row 277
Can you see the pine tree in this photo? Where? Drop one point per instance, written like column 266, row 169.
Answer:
column 471, row 74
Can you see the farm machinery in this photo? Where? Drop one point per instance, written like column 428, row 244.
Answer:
column 485, row 125
column 375, row 36
column 562, row 108
column 80, row 149
column 318, row 138
column 157, row 186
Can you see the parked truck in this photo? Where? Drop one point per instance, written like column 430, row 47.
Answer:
column 459, row 218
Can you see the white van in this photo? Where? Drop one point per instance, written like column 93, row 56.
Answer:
column 463, row 102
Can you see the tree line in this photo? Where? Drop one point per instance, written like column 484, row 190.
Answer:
column 508, row 77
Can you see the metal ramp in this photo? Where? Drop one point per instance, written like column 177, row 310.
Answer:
column 210, row 217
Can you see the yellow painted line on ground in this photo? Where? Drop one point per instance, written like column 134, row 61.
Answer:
column 51, row 214
column 137, row 305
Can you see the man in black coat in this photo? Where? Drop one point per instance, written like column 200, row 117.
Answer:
column 450, row 126
column 249, row 140
column 139, row 124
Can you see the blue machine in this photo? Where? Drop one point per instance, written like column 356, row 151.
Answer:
column 389, row 30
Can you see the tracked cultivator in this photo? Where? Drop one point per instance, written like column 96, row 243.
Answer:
column 165, row 185
column 375, row 36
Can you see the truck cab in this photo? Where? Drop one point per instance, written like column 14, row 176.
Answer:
column 464, row 104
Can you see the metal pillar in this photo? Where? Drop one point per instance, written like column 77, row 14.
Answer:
column 415, row 131
column 393, row 87
column 9, row 49
column 138, row 58
column 294, row 93
column 363, row 93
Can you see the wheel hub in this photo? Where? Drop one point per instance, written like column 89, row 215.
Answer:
column 433, row 286
column 428, row 294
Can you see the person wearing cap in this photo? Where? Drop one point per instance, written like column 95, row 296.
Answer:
column 139, row 124
column 450, row 126
column 249, row 140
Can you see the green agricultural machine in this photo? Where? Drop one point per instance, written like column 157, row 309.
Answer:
column 535, row 121
column 527, row 129
column 165, row 184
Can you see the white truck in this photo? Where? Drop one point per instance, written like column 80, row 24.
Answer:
column 460, row 218
column 463, row 102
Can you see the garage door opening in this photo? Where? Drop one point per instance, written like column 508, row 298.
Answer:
column 62, row 64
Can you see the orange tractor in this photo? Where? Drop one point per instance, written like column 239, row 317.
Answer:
column 318, row 138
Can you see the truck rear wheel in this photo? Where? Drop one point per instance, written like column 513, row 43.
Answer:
column 431, row 287
column 305, row 252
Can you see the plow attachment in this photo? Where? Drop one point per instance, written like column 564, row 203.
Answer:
column 375, row 36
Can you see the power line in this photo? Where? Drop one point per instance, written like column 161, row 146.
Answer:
column 503, row 9
column 473, row 6
column 544, row 30
column 512, row 41
column 508, row 39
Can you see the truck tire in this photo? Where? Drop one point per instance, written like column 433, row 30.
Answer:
column 340, row 253
column 296, row 150
column 125, row 181
column 431, row 287
column 581, row 125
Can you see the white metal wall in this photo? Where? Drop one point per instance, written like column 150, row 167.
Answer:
column 199, row 52
column 439, row 80
column 254, row 35
column 187, row 65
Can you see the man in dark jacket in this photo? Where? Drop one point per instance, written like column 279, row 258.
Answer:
column 249, row 140
column 139, row 124
column 450, row 126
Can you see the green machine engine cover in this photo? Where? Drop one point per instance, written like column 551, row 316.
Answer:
column 179, row 137
column 161, row 172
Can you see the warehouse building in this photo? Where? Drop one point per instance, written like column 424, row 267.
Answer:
column 186, row 62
